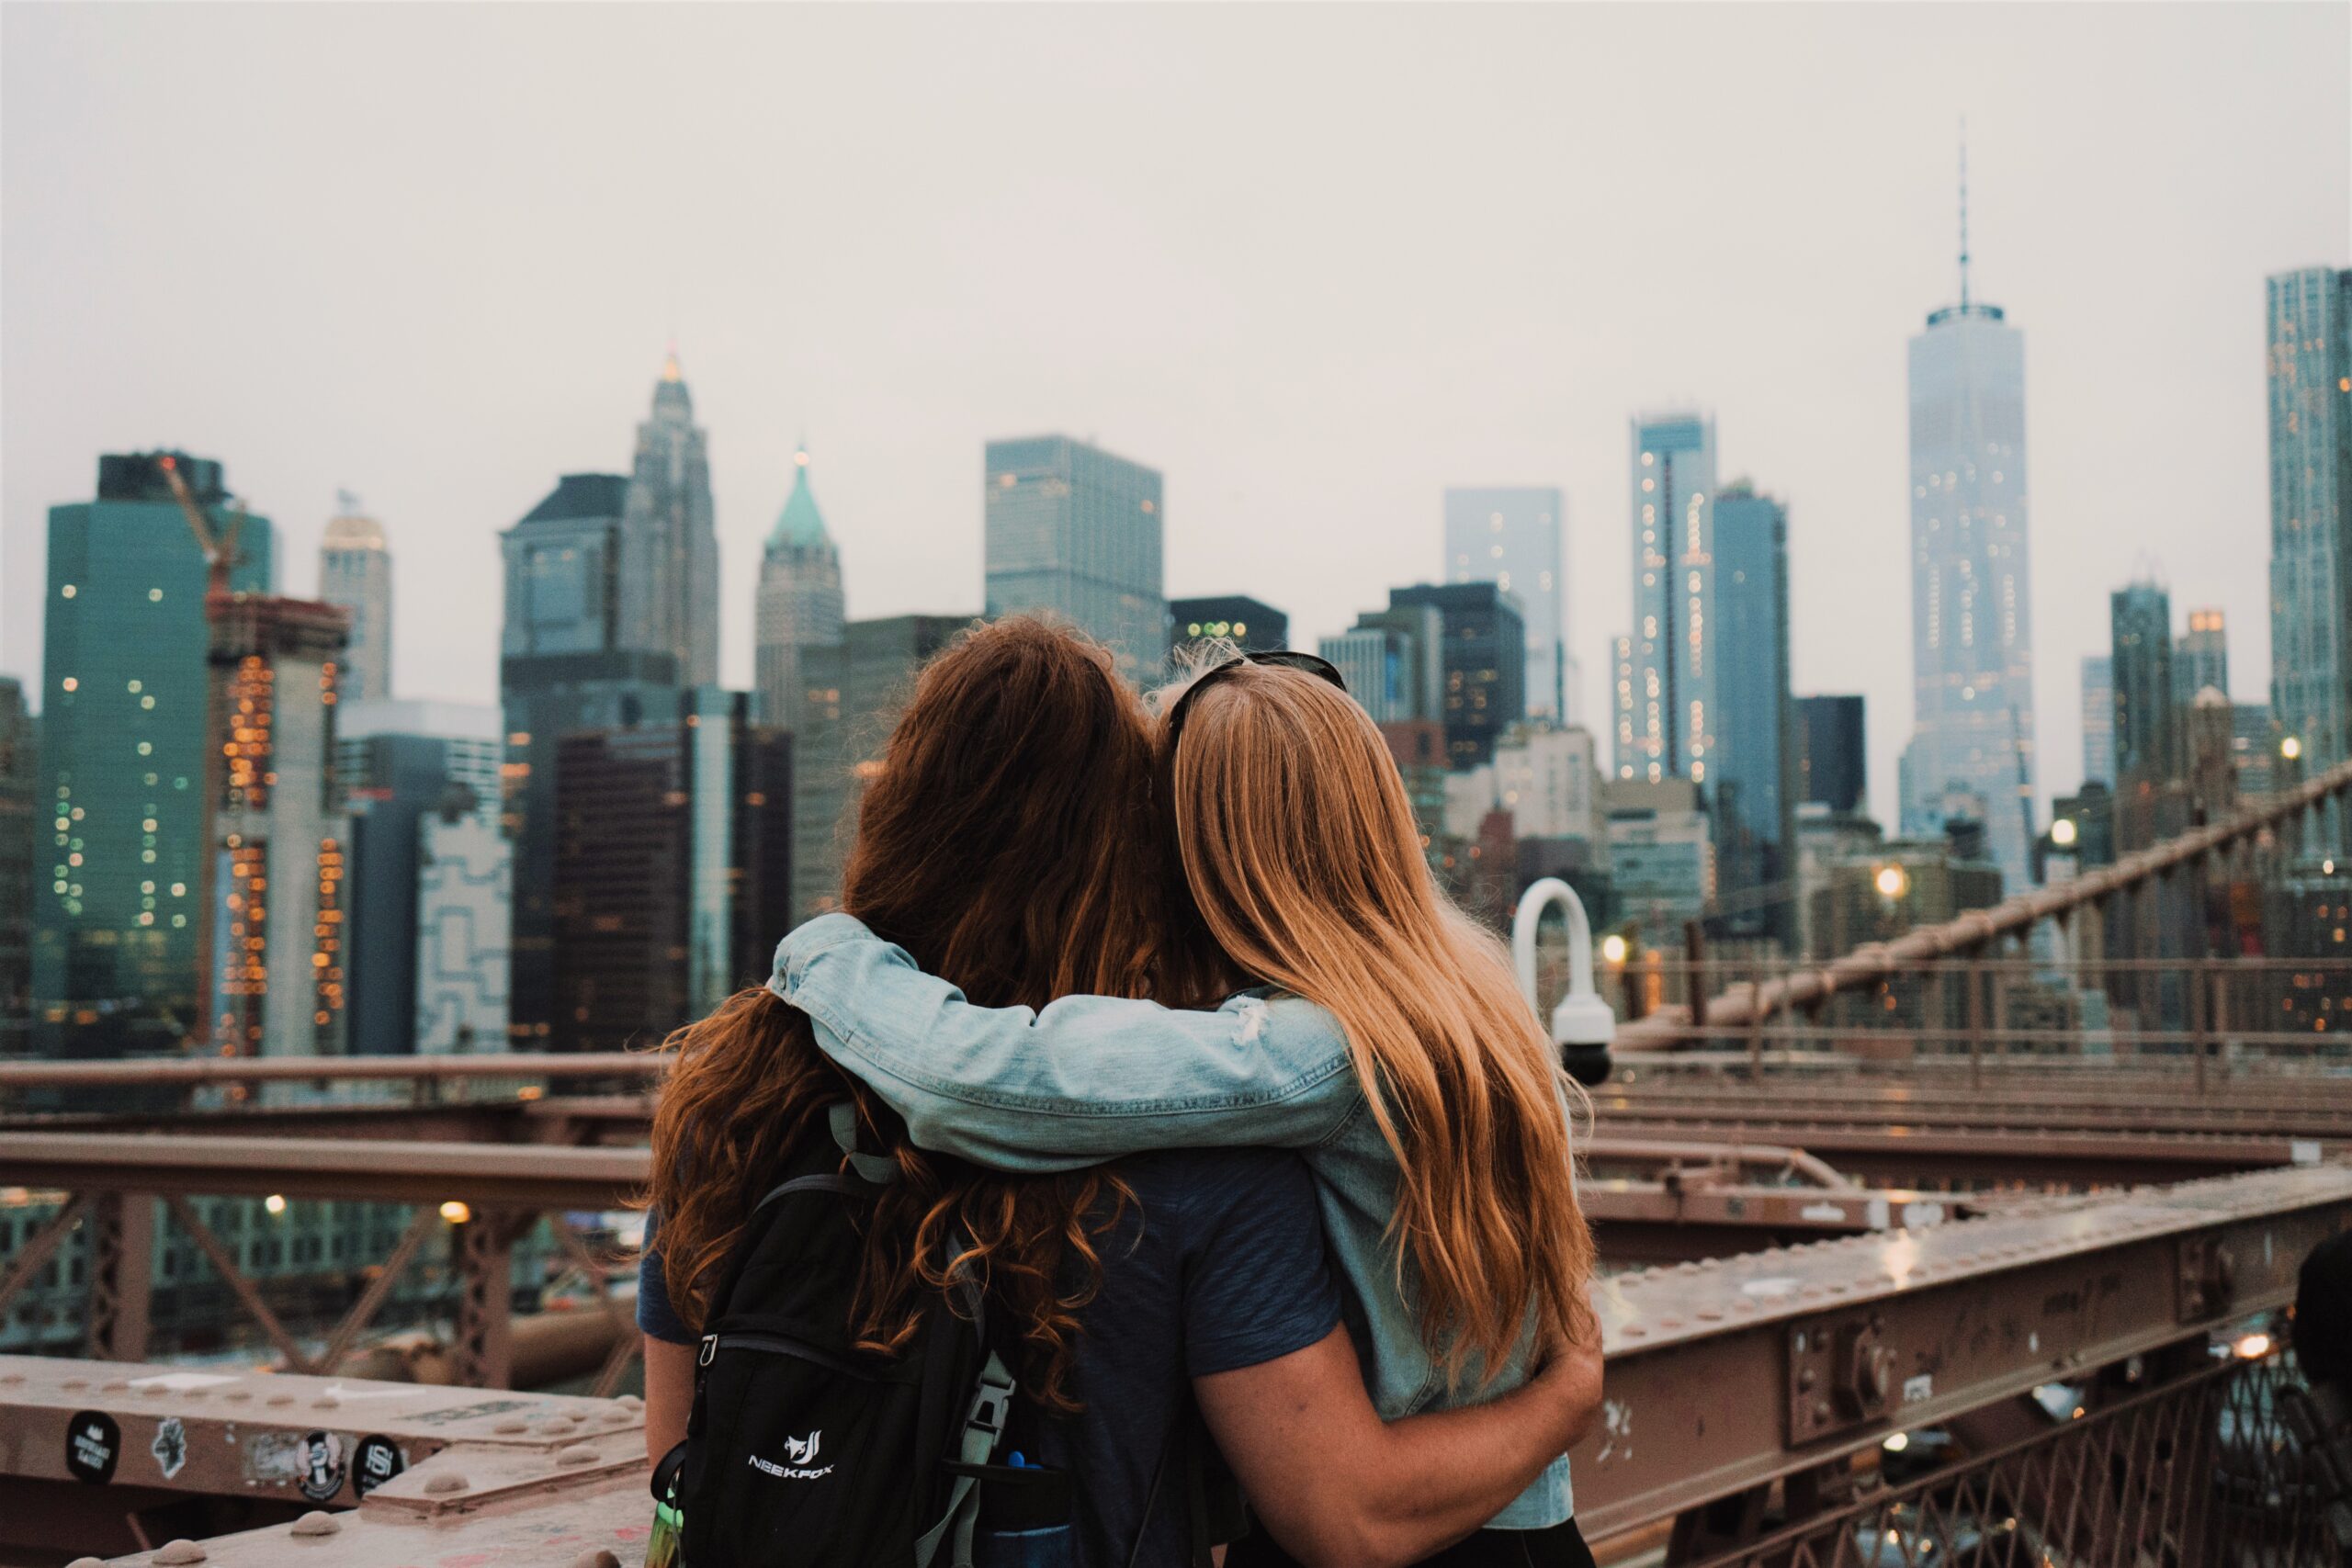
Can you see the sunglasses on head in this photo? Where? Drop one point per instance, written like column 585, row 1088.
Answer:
column 1322, row 668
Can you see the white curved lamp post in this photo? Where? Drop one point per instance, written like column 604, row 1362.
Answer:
column 1582, row 1025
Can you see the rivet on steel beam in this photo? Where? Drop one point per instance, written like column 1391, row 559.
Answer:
column 114, row 1385
column 445, row 1481
column 180, row 1551
column 238, row 1395
column 511, row 1425
column 599, row 1558
column 553, row 1430
column 631, row 1402
column 1636, row 1331
column 70, row 1384
column 317, row 1522
column 326, row 1402
column 87, row 1562
column 279, row 1399
column 577, row 1454
column 12, row 1377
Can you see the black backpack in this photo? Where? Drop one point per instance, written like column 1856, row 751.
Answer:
column 803, row 1451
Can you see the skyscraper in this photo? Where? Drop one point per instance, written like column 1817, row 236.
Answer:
column 669, row 571
column 464, row 918
column 1072, row 530
column 1833, row 765
column 670, row 867
column 1372, row 661
column 2147, row 720
column 356, row 571
column 2200, row 657
column 2098, row 719
column 2309, row 352
column 1483, row 666
column 118, row 961
column 868, row 676
column 1254, row 624
column 1670, row 696
column 1392, row 662
column 397, row 763
column 797, row 644
column 565, row 665
column 800, row 602
column 1511, row 536
column 1972, row 612
column 19, row 780
column 1752, row 767
column 281, row 842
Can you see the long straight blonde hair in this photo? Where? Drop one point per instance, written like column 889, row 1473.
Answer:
column 1305, row 864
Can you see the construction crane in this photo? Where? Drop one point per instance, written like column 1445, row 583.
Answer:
column 220, row 552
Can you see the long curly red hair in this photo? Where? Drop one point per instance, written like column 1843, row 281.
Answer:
column 1006, row 840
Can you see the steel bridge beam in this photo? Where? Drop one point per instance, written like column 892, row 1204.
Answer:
column 1726, row 1376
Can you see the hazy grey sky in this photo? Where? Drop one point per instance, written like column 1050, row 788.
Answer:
column 1315, row 262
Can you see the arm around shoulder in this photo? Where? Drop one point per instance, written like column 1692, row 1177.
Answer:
column 1338, row 1489
column 1085, row 1080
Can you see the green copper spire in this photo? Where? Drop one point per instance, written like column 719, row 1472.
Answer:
column 801, row 525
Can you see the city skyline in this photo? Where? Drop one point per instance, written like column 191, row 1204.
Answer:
column 1259, row 485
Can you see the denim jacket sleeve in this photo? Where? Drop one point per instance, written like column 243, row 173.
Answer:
column 1084, row 1080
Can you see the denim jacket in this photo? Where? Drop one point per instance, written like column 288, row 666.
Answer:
column 1090, row 1078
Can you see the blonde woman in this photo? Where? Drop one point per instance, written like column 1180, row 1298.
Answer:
column 1383, row 1039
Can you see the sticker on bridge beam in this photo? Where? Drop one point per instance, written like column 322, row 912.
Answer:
column 376, row 1460
column 170, row 1447
column 92, row 1446
column 322, row 1474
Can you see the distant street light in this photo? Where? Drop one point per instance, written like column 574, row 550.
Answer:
column 2291, row 748
column 1614, row 948
column 1893, row 882
column 2062, row 832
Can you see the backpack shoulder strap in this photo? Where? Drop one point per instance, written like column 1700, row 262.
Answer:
column 879, row 1169
column 983, row 1429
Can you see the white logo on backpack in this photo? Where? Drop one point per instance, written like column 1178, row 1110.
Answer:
column 798, row 1454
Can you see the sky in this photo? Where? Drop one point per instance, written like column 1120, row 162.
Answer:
column 1314, row 263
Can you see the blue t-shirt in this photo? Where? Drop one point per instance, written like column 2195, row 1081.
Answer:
column 1218, row 1265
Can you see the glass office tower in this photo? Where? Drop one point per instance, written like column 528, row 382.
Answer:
column 669, row 578
column 565, row 665
column 1073, row 530
column 356, row 571
column 1672, row 699
column 1752, row 766
column 1482, row 667
column 1972, row 608
column 2310, row 355
column 123, row 829
column 1511, row 536
column 2098, row 720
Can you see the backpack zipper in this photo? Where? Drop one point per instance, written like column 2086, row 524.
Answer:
column 777, row 1345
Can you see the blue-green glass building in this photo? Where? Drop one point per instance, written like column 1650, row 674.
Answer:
column 1752, row 783
column 119, row 854
column 1075, row 531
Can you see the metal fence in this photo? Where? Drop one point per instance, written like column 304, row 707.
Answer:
column 2214, row 1470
